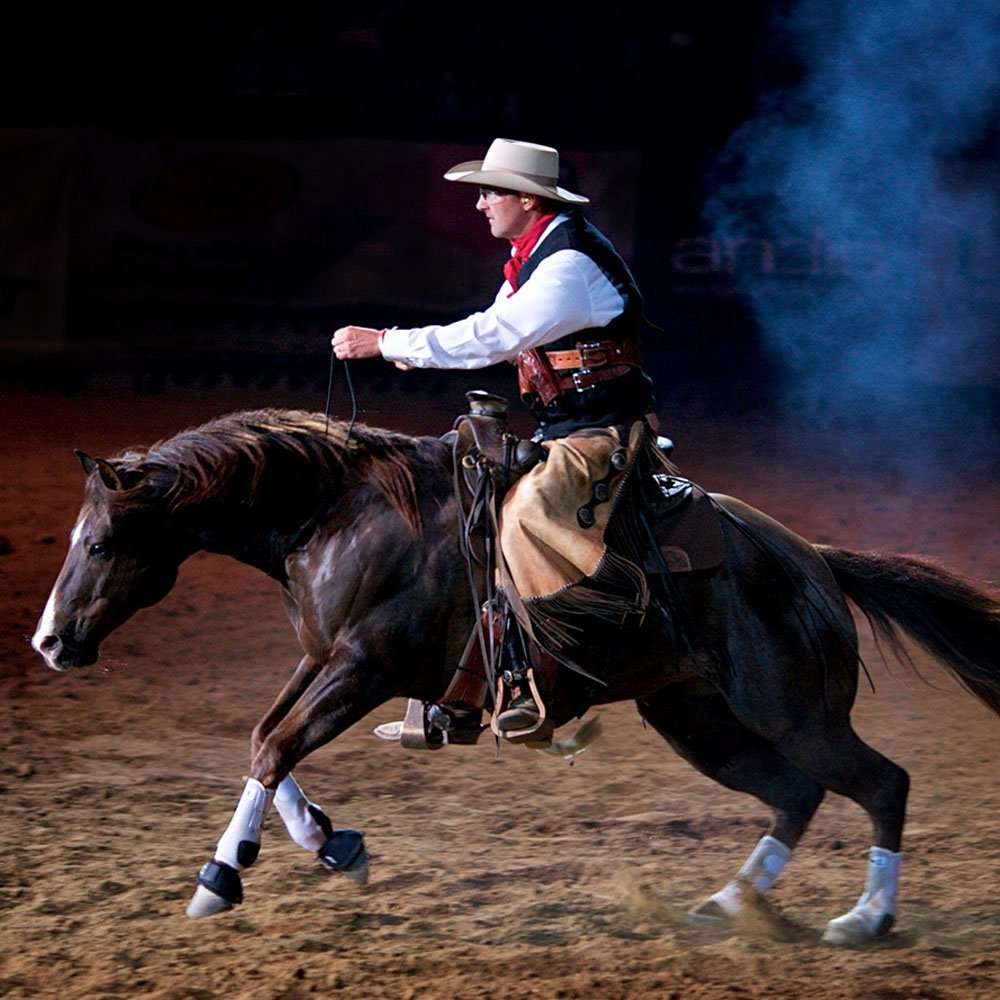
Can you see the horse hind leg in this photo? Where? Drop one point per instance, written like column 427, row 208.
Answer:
column 702, row 729
column 846, row 765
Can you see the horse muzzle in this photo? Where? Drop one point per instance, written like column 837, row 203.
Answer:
column 61, row 653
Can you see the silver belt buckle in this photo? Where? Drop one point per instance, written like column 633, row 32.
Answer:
column 584, row 349
column 576, row 376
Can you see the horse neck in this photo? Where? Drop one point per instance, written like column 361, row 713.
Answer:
column 250, row 536
column 259, row 513
column 257, row 516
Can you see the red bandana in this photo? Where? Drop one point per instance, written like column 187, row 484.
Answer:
column 523, row 246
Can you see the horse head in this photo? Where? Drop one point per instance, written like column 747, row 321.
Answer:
column 123, row 555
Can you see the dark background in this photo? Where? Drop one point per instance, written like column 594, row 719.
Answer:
column 627, row 75
column 670, row 82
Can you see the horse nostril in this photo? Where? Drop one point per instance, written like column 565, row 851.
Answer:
column 49, row 642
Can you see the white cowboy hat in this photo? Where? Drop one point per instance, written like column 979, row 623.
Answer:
column 518, row 166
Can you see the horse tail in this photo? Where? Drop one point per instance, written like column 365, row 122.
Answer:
column 955, row 621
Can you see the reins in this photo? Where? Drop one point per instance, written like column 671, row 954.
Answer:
column 480, row 516
column 329, row 396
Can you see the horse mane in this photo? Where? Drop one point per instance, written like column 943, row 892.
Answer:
column 202, row 462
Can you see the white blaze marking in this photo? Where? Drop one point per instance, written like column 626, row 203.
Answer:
column 47, row 623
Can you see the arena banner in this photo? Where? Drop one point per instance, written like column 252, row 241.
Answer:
column 301, row 223
column 936, row 292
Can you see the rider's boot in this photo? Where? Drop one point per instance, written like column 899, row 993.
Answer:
column 522, row 710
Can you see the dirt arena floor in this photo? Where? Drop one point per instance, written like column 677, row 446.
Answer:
column 518, row 876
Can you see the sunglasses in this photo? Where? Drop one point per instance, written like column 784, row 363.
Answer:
column 491, row 195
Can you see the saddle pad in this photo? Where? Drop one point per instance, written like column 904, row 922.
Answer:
column 687, row 527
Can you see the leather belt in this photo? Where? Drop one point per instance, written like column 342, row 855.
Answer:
column 585, row 378
column 547, row 374
column 599, row 355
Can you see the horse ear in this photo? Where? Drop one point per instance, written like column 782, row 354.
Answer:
column 109, row 475
column 107, row 472
column 86, row 461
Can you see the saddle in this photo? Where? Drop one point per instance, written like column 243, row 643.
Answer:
column 672, row 527
column 480, row 440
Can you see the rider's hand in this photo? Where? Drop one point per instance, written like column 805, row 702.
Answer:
column 356, row 342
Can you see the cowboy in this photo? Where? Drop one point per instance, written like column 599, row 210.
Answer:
column 568, row 313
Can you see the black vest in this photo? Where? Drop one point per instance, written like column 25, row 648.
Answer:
column 618, row 400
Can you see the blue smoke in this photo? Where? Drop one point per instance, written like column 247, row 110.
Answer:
column 858, row 179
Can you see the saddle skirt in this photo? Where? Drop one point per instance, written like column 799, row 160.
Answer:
column 685, row 525
column 591, row 534
column 554, row 523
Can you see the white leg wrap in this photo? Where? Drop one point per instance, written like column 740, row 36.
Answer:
column 245, row 825
column 761, row 870
column 293, row 808
column 875, row 910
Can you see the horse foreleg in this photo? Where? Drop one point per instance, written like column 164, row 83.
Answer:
column 338, row 850
column 306, row 823
column 333, row 697
column 219, row 885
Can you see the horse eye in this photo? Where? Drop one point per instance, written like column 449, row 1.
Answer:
column 99, row 551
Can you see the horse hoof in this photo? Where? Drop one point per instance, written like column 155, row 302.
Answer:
column 358, row 872
column 219, row 888
column 708, row 913
column 345, row 852
column 724, row 906
column 853, row 931
column 205, row 903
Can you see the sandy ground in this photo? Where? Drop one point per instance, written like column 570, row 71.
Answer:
column 517, row 876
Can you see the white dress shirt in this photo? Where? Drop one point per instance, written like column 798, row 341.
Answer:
column 567, row 293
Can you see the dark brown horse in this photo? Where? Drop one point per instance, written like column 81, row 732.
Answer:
column 360, row 531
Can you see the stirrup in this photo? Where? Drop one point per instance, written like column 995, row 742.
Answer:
column 537, row 735
column 431, row 726
column 416, row 734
